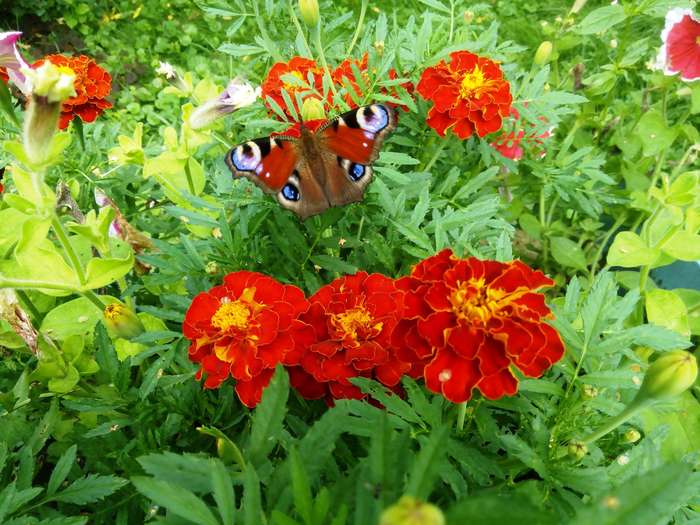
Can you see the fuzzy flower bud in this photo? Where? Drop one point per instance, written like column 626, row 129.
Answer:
column 632, row 436
column 670, row 375
column 577, row 450
column 237, row 94
column 312, row 109
column 543, row 54
column 309, row 12
column 122, row 321
column 171, row 75
column 50, row 86
column 410, row 511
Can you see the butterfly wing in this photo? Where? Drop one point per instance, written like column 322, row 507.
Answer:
column 349, row 144
column 276, row 165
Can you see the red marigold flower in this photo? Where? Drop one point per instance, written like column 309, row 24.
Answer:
column 241, row 329
column 92, row 85
column 299, row 67
column 346, row 333
column 680, row 52
column 469, row 94
column 468, row 321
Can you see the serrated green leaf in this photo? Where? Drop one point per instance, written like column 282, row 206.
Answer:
column 268, row 416
column 177, row 500
column 89, row 489
column 61, row 470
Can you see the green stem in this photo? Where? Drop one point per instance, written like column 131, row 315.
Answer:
column 188, row 173
column 436, row 155
column 94, row 299
column 452, row 20
column 461, row 415
column 36, row 315
column 616, row 421
column 62, row 235
column 322, row 58
column 295, row 20
column 620, row 220
column 32, row 284
column 543, row 223
column 360, row 23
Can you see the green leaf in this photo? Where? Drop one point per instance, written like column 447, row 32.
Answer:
column 489, row 509
column 101, row 272
column 268, row 416
column 92, row 487
column 629, row 250
column 252, row 506
column 665, row 308
column 222, row 488
column 567, row 253
column 425, row 469
column 76, row 317
column 601, row 19
column 177, row 500
column 655, row 135
column 300, row 487
column 186, row 470
column 651, row 497
column 683, row 245
column 333, row 264
column 61, row 470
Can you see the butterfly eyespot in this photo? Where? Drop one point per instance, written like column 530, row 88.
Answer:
column 373, row 118
column 356, row 171
column 246, row 156
column 290, row 192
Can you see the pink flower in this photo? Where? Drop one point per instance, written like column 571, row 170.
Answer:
column 680, row 52
column 12, row 62
column 510, row 144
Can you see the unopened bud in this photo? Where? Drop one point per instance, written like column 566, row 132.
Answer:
column 590, row 392
column 410, row 511
column 309, row 12
column 670, row 375
column 379, row 47
column 237, row 94
column 577, row 450
column 632, row 436
column 171, row 75
column 52, row 82
column 468, row 17
column 543, row 53
column 212, row 268
column 312, row 109
column 226, row 450
column 122, row 321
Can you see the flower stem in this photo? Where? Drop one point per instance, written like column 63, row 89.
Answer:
column 322, row 57
column 188, row 174
column 29, row 304
column 296, row 23
column 461, row 415
column 360, row 22
column 68, row 248
column 94, row 299
column 436, row 155
column 629, row 412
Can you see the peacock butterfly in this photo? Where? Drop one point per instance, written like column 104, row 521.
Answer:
column 317, row 170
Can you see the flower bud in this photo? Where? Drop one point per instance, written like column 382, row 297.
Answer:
column 670, row 375
column 50, row 86
column 543, row 53
column 312, row 109
column 172, row 76
column 212, row 268
column 632, row 436
column 122, row 321
column 410, row 511
column 309, row 12
column 578, row 5
column 237, row 94
column 577, row 450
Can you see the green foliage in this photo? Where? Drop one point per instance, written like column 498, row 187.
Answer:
column 98, row 429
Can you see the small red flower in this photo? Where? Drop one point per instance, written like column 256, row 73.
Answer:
column 469, row 94
column 346, row 333
column 4, row 76
column 298, row 67
column 241, row 329
column 680, row 52
column 468, row 321
column 512, row 145
column 92, row 85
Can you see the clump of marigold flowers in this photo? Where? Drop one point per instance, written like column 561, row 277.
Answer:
column 92, row 85
column 469, row 95
column 459, row 324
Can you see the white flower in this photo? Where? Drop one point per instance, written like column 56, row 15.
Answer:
column 237, row 94
column 167, row 70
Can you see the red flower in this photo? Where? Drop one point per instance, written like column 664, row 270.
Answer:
column 4, row 76
column 680, row 52
column 300, row 68
column 511, row 144
column 295, row 129
column 92, row 85
column 469, row 94
column 469, row 321
column 241, row 329
column 346, row 333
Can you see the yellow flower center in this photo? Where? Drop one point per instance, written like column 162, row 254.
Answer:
column 355, row 320
column 113, row 311
column 289, row 86
column 474, row 84
column 236, row 314
column 474, row 302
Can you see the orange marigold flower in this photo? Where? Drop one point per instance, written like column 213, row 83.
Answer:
column 298, row 67
column 468, row 321
column 92, row 85
column 241, row 329
column 469, row 94
column 346, row 333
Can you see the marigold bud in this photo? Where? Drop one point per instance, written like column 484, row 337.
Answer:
column 212, row 268
column 670, row 375
column 543, row 53
column 309, row 12
column 122, row 321
column 312, row 109
column 577, row 450
column 632, row 436
column 50, row 86
column 410, row 511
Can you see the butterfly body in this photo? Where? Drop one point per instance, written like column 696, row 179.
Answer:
column 317, row 169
